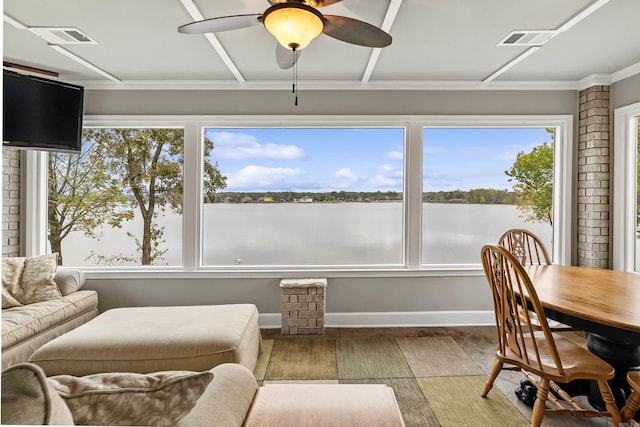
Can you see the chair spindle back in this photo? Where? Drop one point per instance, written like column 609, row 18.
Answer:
column 515, row 328
column 525, row 246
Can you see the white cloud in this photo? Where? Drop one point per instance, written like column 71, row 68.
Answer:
column 347, row 174
column 260, row 177
column 395, row 155
column 228, row 145
column 384, row 183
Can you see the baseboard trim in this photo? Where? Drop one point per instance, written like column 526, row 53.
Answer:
column 394, row 319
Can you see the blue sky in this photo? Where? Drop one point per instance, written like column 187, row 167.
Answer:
column 366, row 159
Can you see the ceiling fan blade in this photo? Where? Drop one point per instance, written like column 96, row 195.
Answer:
column 314, row 3
column 223, row 23
column 286, row 57
column 356, row 32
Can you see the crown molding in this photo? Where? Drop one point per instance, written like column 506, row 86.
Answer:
column 325, row 85
column 594, row 80
column 629, row 71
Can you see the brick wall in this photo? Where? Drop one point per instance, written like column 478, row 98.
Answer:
column 10, row 202
column 593, row 209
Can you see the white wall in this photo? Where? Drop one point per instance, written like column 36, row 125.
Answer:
column 430, row 298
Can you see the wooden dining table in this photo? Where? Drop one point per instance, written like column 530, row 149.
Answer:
column 604, row 303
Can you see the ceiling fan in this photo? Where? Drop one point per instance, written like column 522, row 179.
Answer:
column 295, row 23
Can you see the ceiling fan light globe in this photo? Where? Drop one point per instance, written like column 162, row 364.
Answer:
column 293, row 24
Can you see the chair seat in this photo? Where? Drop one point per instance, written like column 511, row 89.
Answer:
column 577, row 361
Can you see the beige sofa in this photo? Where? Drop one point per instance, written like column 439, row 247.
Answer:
column 27, row 327
column 220, row 397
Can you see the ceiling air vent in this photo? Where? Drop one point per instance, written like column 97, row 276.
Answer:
column 528, row 38
column 62, row 35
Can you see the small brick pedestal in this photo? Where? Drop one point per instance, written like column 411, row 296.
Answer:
column 303, row 306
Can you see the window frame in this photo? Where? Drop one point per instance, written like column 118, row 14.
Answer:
column 625, row 141
column 35, row 209
column 562, row 173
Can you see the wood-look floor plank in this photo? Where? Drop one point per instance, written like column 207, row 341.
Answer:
column 302, row 359
column 371, row 358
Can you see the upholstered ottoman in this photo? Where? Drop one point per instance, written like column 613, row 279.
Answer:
column 151, row 339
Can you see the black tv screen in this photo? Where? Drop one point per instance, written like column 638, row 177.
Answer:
column 41, row 114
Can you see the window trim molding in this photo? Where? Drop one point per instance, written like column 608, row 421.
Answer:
column 413, row 125
column 624, row 186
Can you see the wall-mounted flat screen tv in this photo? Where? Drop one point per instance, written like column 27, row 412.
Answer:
column 41, row 114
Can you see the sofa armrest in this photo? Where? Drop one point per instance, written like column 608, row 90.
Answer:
column 227, row 399
column 69, row 280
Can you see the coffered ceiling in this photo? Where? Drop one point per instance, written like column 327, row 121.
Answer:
column 436, row 44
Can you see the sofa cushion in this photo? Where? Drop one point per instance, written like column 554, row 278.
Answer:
column 27, row 280
column 158, row 399
column 26, row 321
column 154, row 339
column 69, row 280
column 27, row 398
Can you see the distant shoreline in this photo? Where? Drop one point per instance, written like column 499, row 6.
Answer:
column 484, row 196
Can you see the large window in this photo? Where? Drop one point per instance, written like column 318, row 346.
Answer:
column 479, row 182
column 626, row 209
column 316, row 194
column 118, row 202
column 305, row 196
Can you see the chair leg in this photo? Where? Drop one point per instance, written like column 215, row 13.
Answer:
column 630, row 408
column 497, row 367
column 610, row 404
column 540, row 406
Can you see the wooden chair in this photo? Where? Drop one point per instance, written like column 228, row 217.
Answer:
column 525, row 246
column 630, row 408
column 529, row 250
column 538, row 352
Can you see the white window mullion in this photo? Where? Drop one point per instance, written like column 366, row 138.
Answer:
column 562, row 190
column 34, row 196
column 624, row 187
column 191, row 241
column 413, row 196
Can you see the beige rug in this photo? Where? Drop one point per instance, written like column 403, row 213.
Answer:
column 436, row 357
column 456, row 402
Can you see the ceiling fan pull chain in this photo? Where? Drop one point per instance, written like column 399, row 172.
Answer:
column 295, row 77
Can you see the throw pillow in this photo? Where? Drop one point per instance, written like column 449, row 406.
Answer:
column 69, row 280
column 26, row 280
column 119, row 398
column 28, row 399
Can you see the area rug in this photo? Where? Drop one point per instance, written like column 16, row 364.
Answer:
column 456, row 402
column 370, row 358
column 436, row 357
column 302, row 359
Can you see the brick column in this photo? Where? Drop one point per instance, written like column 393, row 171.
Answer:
column 10, row 202
column 303, row 306
column 593, row 177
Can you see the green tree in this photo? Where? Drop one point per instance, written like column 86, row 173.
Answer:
column 533, row 174
column 149, row 165
column 81, row 195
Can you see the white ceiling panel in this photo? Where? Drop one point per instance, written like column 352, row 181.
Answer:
column 435, row 42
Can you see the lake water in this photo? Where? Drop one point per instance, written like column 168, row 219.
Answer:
column 272, row 234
